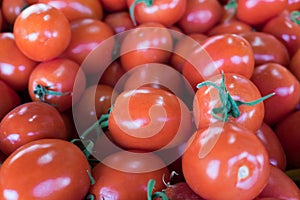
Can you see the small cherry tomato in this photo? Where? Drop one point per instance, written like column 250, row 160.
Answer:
column 45, row 169
column 77, row 9
column 112, row 74
column 37, row 120
column 53, row 82
column 9, row 99
column 42, row 32
column 275, row 78
column 231, row 26
column 227, row 158
column 114, row 5
column 11, row 9
column 119, row 21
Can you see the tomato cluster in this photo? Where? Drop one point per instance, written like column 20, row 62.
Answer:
column 149, row 99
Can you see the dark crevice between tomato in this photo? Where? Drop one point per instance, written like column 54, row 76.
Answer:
column 132, row 7
column 168, row 184
column 294, row 174
column 229, row 106
column 295, row 17
column 156, row 195
column 41, row 92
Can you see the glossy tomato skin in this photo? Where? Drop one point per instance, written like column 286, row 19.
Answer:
column 28, row 122
column 119, row 21
column 166, row 12
column 11, row 9
column 275, row 78
column 38, row 170
column 226, row 158
column 77, row 9
column 42, row 32
column 200, row 16
column 259, row 12
column 124, row 175
column 287, row 131
column 273, row 145
column 241, row 89
column 210, row 59
column 230, row 26
column 147, row 43
column 294, row 65
column 58, row 75
column 267, row 48
column 9, row 99
column 15, row 67
column 149, row 119
column 114, row 5
column 112, row 74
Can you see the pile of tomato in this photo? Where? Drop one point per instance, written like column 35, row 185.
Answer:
column 149, row 99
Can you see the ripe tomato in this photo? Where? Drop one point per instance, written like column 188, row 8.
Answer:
column 45, row 169
column 9, row 99
column 42, row 32
column 275, row 78
column 207, row 98
column 294, row 65
column 15, row 68
column 209, row 60
column 124, row 175
column 119, row 21
column 77, row 9
column 231, row 26
column 11, row 9
column 200, row 16
column 114, row 5
column 147, row 43
column 165, row 12
column 229, row 160
column 53, row 82
column 275, row 150
column 293, row 5
column 267, row 48
column 112, row 74
column 287, row 131
column 259, row 12
column 28, row 122
column 149, row 119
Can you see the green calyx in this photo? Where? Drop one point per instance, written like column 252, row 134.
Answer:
column 156, row 195
column 132, row 8
column 41, row 91
column 229, row 106
column 295, row 17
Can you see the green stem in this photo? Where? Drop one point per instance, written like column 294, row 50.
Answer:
column 90, row 197
column 133, row 5
column 232, row 7
column 92, row 180
column 150, row 195
column 295, row 17
column 41, row 91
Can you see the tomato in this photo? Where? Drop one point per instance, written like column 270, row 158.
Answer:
column 30, row 121
column 207, row 60
column 88, row 34
column 53, row 82
column 259, row 12
column 149, row 119
column 15, row 67
column 124, row 175
column 114, row 5
column 207, row 98
column 119, row 21
column 293, row 5
column 147, row 43
column 273, row 77
column 286, row 30
column 294, row 65
column 280, row 186
column 200, row 16
column 267, row 48
column 45, row 169
column 11, row 9
column 42, row 32
column 229, row 160
column 30, row 2
column 112, row 74
column 287, row 131
column 275, row 150
column 181, row 191
column 231, row 26
column 165, row 12
column 9, row 99
column 77, row 9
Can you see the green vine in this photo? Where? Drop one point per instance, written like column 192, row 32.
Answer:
column 133, row 5
column 41, row 91
column 151, row 195
column 295, row 17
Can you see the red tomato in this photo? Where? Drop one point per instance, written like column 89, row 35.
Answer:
column 200, row 16
column 42, row 32
column 294, row 65
column 209, row 59
column 229, row 160
column 77, row 9
column 275, row 150
column 284, row 29
column 15, row 67
column 114, row 5
column 275, row 78
column 231, row 26
column 119, row 21
column 241, row 89
column 9, row 99
column 149, row 119
column 37, row 120
column 181, row 191
column 53, row 82
column 267, row 48
column 165, row 12
column 11, row 9
column 287, row 131
column 293, row 5
column 148, row 43
column 259, row 12
column 280, row 186
column 45, row 169
column 112, row 74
